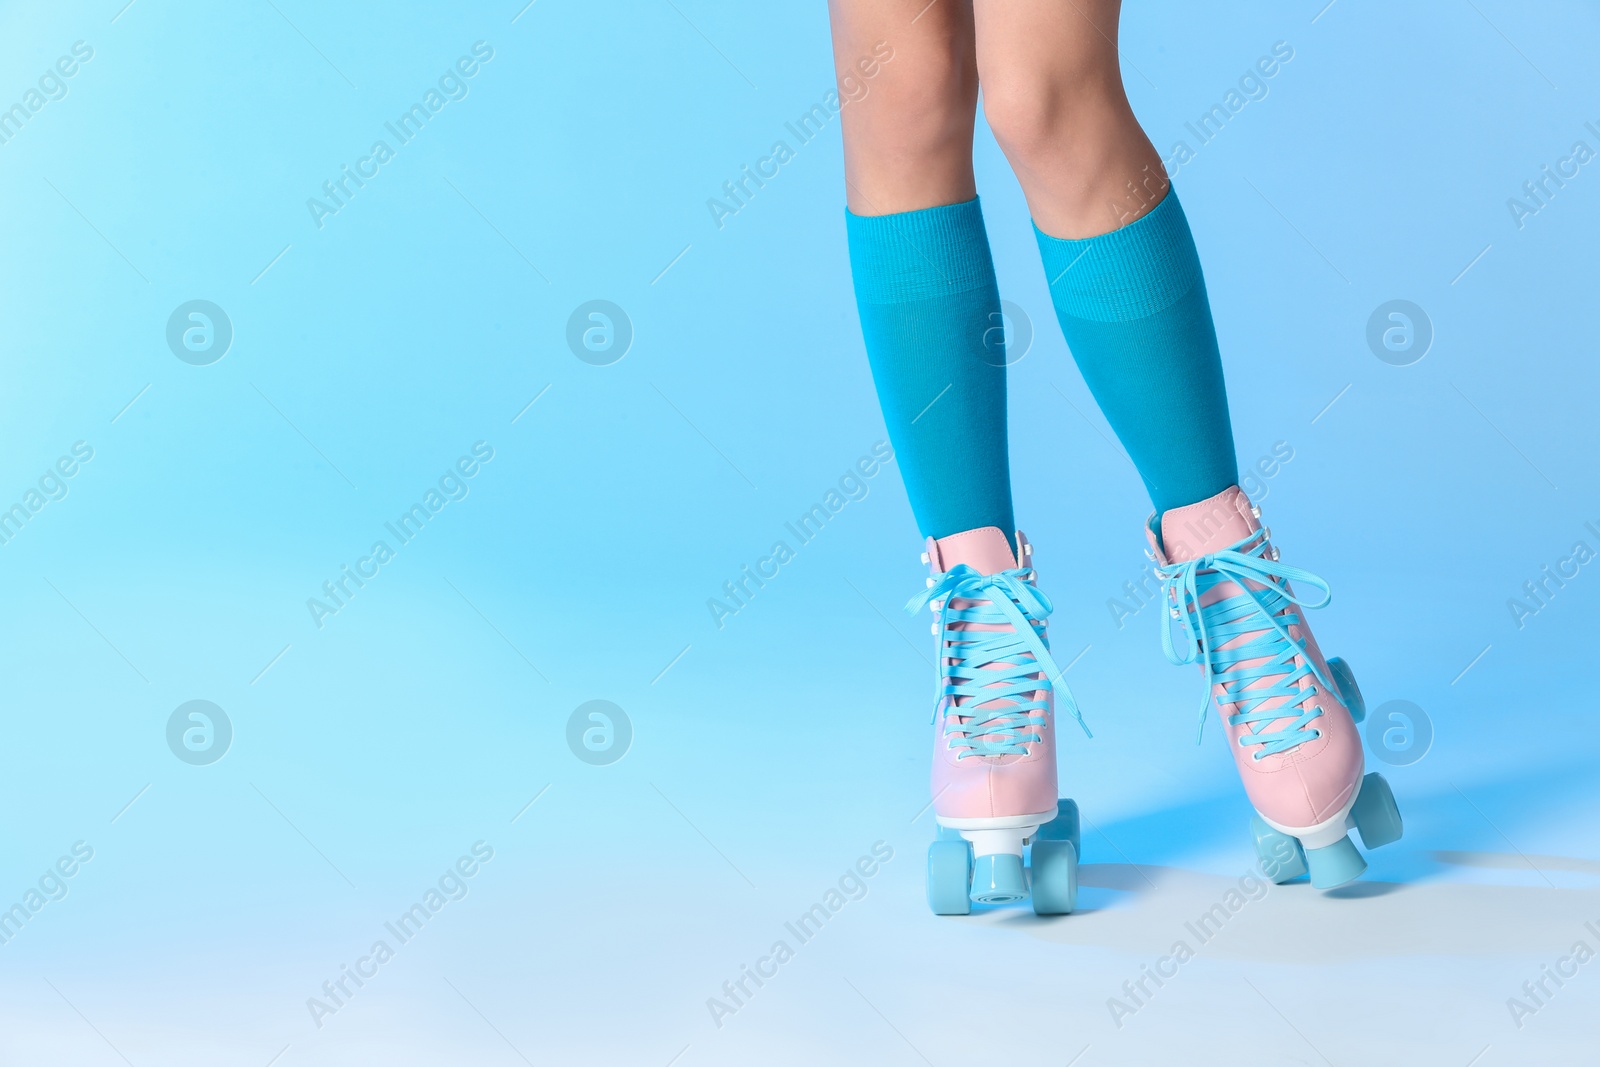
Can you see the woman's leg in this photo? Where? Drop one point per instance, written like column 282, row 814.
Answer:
column 1122, row 265
column 920, row 257
column 1127, row 287
column 930, row 313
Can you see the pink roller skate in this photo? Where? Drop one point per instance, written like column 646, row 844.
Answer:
column 994, row 760
column 1290, row 715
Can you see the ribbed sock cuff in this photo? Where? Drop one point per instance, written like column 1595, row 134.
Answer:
column 1129, row 273
column 915, row 255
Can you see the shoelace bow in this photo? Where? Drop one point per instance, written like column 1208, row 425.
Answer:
column 1266, row 614
column 974, row 675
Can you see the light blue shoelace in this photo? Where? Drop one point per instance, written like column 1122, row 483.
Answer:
column 1266, row 614
column 975, row 674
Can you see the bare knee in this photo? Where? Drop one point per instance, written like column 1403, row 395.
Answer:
column 1053, row 117
column 1083, row 161
column 908, row 135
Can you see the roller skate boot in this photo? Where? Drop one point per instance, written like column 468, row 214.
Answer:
column 994, row 760
column 1290, row 715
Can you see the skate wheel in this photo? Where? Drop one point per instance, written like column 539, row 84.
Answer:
column 1282, row 858
column 1376, row 815
column 998, row 879
column 1054, row 874
column 1333, row 865
column 1349, row 692
column 1064, row 827
column 949, row 874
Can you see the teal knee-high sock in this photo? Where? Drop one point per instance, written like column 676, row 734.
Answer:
column 930, row 314
column 1132, row 304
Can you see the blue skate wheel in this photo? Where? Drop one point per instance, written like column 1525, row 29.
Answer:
column 1376, row 815
column 1054, row 874
column 1349, row 692
column 1064, row 827
column 998, row 879
column 1333, row 865
column 949, row 874
column 1282, row 858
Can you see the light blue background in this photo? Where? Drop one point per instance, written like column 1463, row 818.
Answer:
column 769, row 754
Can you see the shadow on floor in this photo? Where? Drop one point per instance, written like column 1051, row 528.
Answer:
column 1137, row 893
